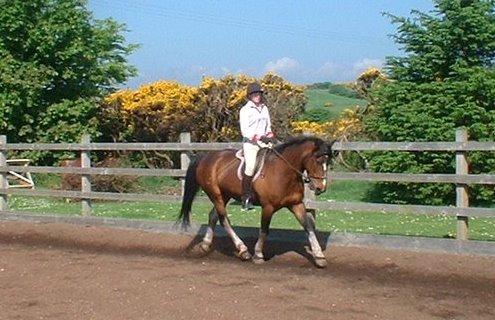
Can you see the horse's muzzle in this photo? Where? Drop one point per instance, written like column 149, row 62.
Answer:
column 318, row 188
column 319, row 191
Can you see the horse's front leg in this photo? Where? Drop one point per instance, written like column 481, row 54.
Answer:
column 308, row 222
column 266, row 218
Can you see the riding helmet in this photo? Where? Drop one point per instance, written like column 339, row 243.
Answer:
column 254, row 87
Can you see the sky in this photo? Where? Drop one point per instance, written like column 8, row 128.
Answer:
column 304, row 42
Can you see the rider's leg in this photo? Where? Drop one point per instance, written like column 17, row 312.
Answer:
column 250, row 152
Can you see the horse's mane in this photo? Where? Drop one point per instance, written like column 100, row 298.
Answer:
column 296, row 141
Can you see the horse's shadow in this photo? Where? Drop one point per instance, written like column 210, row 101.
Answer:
column 278, row 243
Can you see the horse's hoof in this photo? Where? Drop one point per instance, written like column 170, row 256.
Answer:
column 205, row 248
column 200, row 250
column 321, row 262
column 244, row 255
column 258, row 259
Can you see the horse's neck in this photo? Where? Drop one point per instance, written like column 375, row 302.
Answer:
column 293, row 158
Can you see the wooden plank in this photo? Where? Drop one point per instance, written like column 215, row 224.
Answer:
column 199, row 146
column 353, row 176
column 396, row 208
column 100, row 195
column 413, row 177
column 137, row 146
column 98, row 171
column 414, row 146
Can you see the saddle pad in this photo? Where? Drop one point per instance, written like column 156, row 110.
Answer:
column 260, row 163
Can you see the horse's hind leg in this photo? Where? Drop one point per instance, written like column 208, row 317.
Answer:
column 242, row 250
column 308, row 223
column 208, row 238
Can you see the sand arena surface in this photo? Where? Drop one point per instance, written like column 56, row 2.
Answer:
column 61, row 271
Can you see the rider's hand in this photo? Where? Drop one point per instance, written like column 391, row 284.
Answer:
column 266, row 140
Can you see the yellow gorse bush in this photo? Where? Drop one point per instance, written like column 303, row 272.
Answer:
column 348, row 123
column 160, row 111
column 162, row 95
column 154, row 112
column 371, row 74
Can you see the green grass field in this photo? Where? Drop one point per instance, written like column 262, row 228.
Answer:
column 332, row 221
column 320, row 97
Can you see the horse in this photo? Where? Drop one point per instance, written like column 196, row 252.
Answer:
column 286, row 168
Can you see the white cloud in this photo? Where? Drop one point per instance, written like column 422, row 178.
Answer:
column 288, row 68
column 342, row 72
column 291, row 70
column 363, row 64
column 282, row 66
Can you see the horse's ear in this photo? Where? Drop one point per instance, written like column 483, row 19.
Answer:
column 329, row 147
column 332, row 153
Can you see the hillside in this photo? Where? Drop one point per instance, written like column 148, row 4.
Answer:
column 317, row 98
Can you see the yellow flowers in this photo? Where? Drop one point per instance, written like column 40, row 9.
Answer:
column 160, row 111
column 371, row 74
column 162, row 95
column 347, row 124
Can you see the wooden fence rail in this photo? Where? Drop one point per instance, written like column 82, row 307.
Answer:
column 461, row 178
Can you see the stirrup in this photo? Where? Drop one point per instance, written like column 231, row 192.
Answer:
column 247, row 205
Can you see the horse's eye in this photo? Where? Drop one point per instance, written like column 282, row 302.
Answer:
column 323, row 159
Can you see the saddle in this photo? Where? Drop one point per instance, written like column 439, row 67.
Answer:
column 260, row 163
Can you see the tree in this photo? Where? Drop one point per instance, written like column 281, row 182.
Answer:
column 445, row 80
column 56, row 61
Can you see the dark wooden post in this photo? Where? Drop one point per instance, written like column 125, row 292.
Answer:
column 3, row 175
column 185, row 137
column 86, row 178
column 462, row 199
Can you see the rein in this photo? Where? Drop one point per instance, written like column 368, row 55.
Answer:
column 306, row 178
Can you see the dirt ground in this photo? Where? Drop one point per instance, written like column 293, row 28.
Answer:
column 56, row 271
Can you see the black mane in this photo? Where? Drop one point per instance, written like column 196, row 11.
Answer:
column 295, row 141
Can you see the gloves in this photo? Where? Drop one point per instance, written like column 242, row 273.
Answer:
column 266, row 140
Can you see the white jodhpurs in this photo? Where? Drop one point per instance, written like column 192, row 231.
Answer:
column 250, row 151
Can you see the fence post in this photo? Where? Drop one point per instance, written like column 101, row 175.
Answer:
column 185, row 137
column 462, row 199
column 309, row 195
column 3, row 175
column 86, row 178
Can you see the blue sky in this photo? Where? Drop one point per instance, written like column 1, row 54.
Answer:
column 302, row 41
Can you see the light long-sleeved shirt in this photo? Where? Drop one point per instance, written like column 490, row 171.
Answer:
column 255, row 121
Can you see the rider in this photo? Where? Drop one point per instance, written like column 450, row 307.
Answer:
column 256, row 131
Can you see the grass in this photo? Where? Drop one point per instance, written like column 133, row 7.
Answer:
column 439, row 226
column 317, row 98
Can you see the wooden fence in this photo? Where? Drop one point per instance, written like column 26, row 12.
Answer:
column 461, row 178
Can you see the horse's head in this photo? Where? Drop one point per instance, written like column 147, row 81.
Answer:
column 316, row 165
column 308, row 156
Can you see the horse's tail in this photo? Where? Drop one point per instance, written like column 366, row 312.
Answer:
column 191, row 187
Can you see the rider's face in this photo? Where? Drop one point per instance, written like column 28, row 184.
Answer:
column 256, row 97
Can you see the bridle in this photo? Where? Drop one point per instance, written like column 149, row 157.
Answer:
column 305, row 177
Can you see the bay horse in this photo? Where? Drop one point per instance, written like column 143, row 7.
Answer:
column 286, row 168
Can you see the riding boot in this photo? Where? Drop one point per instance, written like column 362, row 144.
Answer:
column 246, row 193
